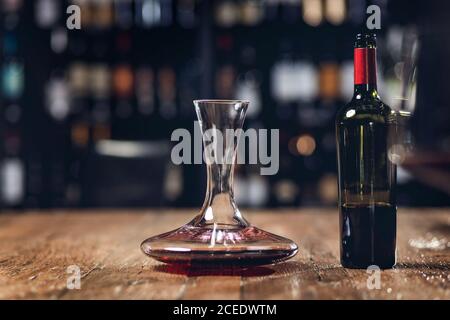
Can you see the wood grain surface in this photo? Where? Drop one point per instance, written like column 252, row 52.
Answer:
column 36, row 248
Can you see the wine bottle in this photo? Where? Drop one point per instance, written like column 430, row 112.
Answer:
column 367, row 205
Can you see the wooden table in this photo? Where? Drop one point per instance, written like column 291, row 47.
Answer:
column 36, row 248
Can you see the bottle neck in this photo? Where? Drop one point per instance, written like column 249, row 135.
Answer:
column 363, row 91
column 365, row 72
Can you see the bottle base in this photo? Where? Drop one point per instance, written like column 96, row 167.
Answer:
column 366, row 265
column 368, row 235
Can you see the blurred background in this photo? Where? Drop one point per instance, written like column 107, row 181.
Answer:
column 86, row 115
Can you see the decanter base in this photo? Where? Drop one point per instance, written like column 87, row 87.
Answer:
column 219, row 246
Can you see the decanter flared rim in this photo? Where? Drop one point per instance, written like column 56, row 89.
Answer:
column 218, row 101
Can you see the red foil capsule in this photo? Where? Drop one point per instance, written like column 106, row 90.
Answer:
column 365, row 71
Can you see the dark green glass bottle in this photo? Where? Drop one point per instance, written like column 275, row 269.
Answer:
column 367, row 178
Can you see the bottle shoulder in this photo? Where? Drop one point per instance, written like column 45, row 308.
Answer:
column 364, row 109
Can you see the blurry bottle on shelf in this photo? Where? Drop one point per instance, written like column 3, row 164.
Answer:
column 79, row 83
column 328, row 143
column 59, row 40
column 307, row 78
column 123, row 86
column 167, row 91
column 102, row 14
column 271, row 10
column 47, row 13
column 12, row 141
column 80, row 133
column 251, row 12
column 57, row 98
column 302, row 145
column 79, row 80
column 226, row 13
column 153, row 13
column 346, row 80
column 87, row 15
column 356, row 11
column 77, row 47
column 225, row 82
column 12, row 68
column 286, row 192
column 12, row 78
column 100, row 78
column 11, row 6
column 12, row 181
column 141, row 18
column 9, row 43
column 173, row 183
column 10, row 13
column 78, row 77
column 292, row 81
column 248, row 83
column 335, row 11
column 123, row 13
column 144, row 87
column 188, row 87
column 12, row 85
column 283, row 76
column 166, row 13
column 240, row 187
column 312, row 12
column 290, row 11
column 327, row 189
column 34, row 182
column 13, row 113
column 248, row 88
column 101, row 130
column 329, row 81
column 59, row 182
column 258, row 190
column 123, row 82
column 100, row 81
column 186, row 13
column 99, row 47
column 252, row 190
column 79, row 140
column 123, row 45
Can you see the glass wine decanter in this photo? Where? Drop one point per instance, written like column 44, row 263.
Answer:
column 219, row 234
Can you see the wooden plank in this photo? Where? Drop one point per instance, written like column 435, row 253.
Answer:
column 128, row 274
column 314, row 273
column 36, row 248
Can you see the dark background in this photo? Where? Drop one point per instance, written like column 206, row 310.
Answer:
column 86, row 115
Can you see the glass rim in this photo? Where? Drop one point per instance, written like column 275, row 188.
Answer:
column 221, row 101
